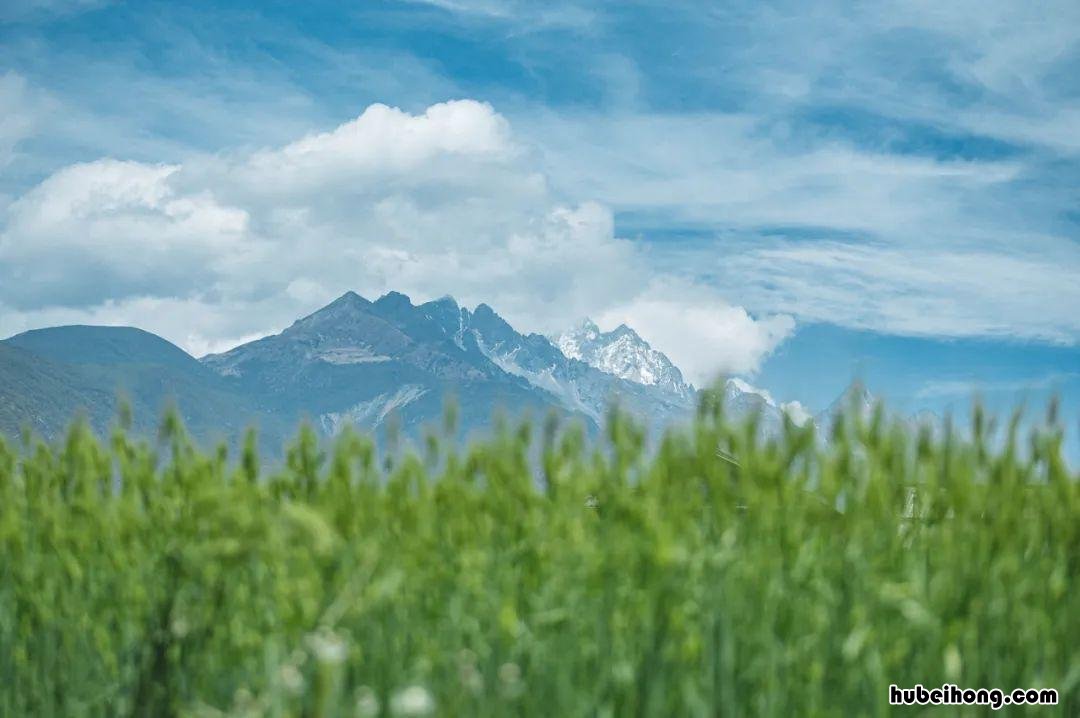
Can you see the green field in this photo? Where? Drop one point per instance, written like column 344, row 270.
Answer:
column 539, row 574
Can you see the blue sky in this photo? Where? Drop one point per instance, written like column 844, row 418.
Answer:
column 755, row 186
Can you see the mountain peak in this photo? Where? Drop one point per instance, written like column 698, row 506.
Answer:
column 348, row 304
column 856, row 397
column 350, row 298
column 393, row 299
column 445, row 300
column 621, row 352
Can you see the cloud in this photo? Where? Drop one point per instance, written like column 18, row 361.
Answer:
column 730, row 170
column 219, row 248
column 111, row 230
column 932, row 292
column 704, row 335
column 968, row 388
column 904, row 244
column 386, row 141
column 21, row 111
column 913, row 175
column 37, row 10
column 522, row 14
column 798, row 413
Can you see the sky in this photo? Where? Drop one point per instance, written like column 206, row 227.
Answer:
column 796, row 193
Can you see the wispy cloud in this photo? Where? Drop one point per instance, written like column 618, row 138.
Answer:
column 967, row 388
column 523, row 14
column 19, row 116
column 939, row 292
column 43, row 10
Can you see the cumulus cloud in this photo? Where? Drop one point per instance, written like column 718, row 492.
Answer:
column 111, row 230
column 218, row 249
column 703, row 334
column 798, row 413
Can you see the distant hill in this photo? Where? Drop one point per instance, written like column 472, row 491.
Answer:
column 49, row 376
column 82, row 344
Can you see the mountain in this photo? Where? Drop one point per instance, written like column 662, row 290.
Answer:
column 855, row 398
column 360, row 362
column 623, row 353
column 357, row 361
column 48, row 376
column 578, row 385
column 371, row 364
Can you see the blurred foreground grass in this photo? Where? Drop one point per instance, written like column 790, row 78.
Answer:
column 538, row 575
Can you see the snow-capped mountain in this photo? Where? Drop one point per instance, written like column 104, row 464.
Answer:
column 579, row 386
column 623, row 353
column 357, row 362
column 856, row 398
column 370, row 364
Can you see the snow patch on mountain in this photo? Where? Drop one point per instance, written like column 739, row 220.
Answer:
column 623, row 353
column 551, row 377
column 373, row 412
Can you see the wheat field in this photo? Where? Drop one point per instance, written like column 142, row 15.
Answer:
column 539, row 573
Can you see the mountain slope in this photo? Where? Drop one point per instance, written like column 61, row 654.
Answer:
column 43, row 396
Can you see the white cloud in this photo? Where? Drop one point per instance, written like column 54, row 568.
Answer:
column 925, row 155
column 944, row 291
column 731, row 170
column 384, row 142
column 703, row 334
column 111, row 230
column 902, row 244
column 971, row 387
column 217, row 249
column 798, row 413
